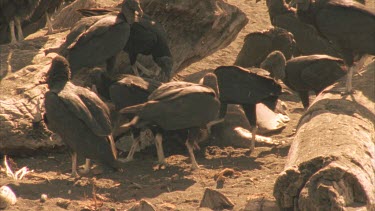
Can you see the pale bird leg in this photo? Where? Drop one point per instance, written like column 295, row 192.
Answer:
column 86, row 167
column 194, row 164
column 253, row 134
column 212, row 123
column 144, row 69
column 19, row 29
column 159, row 148
column 132, row 150
column 94, row 89
column 49, row 24
column 74, row 165
column 12, row 32
column 113, row 146
column 37, row 113
column 135, row 70
column 349, row 87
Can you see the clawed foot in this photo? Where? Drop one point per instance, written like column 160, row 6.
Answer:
column 125, row 160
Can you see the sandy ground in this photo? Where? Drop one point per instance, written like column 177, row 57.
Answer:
column 176, row 187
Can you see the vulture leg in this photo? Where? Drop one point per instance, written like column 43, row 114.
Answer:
column 111, row 62
column 135, row 70
column 222, row 113
column 223, row 110
column 49, row 24
column 212, row 123
column 74, row 165
column 250, row 112
column 193, row 135
column 349, row 86
column 144, row 69
column 304, row 95
column 12, row 32
column 159, row 148
column 19, row 29
column 86, row 168
column 113, row 146
column 134, row 147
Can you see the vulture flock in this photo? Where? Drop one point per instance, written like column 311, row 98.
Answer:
column 309, row 48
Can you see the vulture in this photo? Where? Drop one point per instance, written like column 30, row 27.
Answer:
column 147, row 37
column 79, row 117
column 306, row 73
column 347, row 24
column 103, row 40
column 308, row 40
column 257, row 46
column 177, row 106
column 124, row 91
column 13, row 12
column 240, row 86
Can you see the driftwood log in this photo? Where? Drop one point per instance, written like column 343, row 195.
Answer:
column 201, row 28
column 331, row 163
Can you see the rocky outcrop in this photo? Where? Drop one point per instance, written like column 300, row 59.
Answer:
column 195, row 29
column 331, row 163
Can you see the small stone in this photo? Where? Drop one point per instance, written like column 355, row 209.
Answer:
column 63, row 204
column 143, row 205
column 43, row 198
column 7, row 197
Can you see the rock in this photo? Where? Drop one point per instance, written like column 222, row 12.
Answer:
column 7, row 197
column 261, row 202
column 143, row 205
column 43, row 198
column 215, row 200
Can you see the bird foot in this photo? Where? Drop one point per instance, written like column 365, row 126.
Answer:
column 75, row 174
column 84, row 171
column 125, row 160
column 195, row 167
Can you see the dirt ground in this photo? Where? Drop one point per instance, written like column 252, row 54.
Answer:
column 176, row 187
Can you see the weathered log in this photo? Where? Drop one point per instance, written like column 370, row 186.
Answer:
column 195, row 29
column 331, row 163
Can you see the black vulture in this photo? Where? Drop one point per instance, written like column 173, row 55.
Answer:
column 240, row 86
column 147, row 37
column 124, row 91
column 308, row 40
column 306, row 73
column 79, row 117
column 13, row 12
column 177, row 106
column 257, row 46
column 103, row 40
column 348, row 24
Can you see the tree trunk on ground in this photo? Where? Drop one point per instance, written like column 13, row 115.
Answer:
column 195, row 28
column 331, row 163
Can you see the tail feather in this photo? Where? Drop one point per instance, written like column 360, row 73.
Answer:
column 125, row 127
column 88, row 12
column 133, row 109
